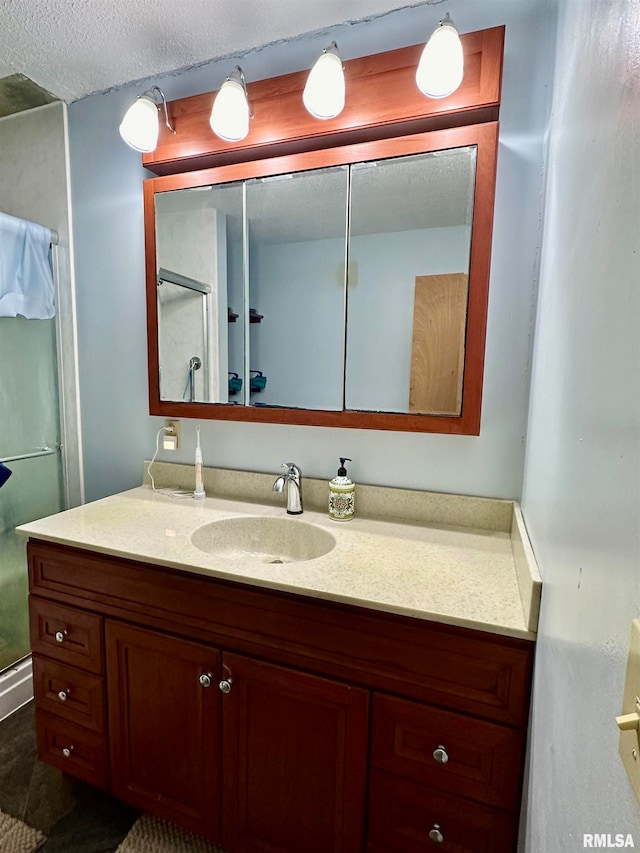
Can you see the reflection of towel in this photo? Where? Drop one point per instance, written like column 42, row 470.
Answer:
column 5, row 473
column 26, row 281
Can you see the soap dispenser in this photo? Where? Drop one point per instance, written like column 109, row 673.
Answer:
column 342, row 494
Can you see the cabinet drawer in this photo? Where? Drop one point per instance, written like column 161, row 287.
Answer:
column 69, row 693
column 72, row 749
column 66, row 634
column 451, row 752
column 402, row 814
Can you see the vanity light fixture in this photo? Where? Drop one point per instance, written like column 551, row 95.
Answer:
column 230, row 113
column 441, row 65
column 324, row 91
column 139, row 128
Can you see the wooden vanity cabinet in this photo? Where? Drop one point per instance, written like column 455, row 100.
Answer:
column 272, row 721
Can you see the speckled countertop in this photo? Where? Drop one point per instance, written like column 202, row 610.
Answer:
column 479, row 578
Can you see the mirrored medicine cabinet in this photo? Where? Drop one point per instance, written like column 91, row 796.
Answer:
column 345, row 286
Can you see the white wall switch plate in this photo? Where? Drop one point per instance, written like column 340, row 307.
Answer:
column 629, row 745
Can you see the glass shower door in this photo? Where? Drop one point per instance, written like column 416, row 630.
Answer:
column 29, row 430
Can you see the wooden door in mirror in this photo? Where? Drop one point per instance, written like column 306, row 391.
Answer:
column 225, row 364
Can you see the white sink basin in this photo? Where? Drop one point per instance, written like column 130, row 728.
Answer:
column 266, row 540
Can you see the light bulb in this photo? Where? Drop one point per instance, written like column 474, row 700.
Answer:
column 441, row 65
column 139, row 127
column 324, row 91
column 230, row 113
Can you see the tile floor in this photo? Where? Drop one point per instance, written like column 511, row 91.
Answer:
column 75, row 817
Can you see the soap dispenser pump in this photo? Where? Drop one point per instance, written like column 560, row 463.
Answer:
column 342, row 494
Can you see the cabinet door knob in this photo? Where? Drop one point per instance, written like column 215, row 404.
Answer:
column 205, row 679
column 440, row 754
column 225, row 685
column 62, row 695
column 59, row 636
column 436, row 835
column 67, row 750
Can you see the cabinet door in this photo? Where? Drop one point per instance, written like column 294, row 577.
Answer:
column 294, row 748
column 164, row 725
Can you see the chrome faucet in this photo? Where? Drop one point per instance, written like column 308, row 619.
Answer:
column 293, row 482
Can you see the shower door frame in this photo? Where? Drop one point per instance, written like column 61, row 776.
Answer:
column 166, row 276
column 16, row 679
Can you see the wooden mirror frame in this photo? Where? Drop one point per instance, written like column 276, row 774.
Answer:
column 372, row 126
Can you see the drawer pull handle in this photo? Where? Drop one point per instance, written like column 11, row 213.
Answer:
column 67, row 750
column 59, row 636
column 205, row 679
column 440, row 754
column 225, row 685
column 436, row 835
column 63, row 695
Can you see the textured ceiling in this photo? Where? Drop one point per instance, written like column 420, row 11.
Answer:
column 74, row 48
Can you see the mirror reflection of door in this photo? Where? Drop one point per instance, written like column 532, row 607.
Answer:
column 199, row 258
column 297, row 225
column 437, row 347
column 409, row 250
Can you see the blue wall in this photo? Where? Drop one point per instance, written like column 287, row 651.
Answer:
column 582, row 483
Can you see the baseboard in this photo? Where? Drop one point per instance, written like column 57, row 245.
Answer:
column 16, row 687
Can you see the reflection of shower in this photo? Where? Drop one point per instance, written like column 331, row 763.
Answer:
column 166, row 276
column 194, row 364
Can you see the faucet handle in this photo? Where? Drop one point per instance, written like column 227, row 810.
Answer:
column 291, row 467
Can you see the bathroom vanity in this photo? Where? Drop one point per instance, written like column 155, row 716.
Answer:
column 373, row 698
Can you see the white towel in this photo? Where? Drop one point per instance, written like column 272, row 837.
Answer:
column 26, row 280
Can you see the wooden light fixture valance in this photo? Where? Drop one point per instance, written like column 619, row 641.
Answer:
column 382, row 101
